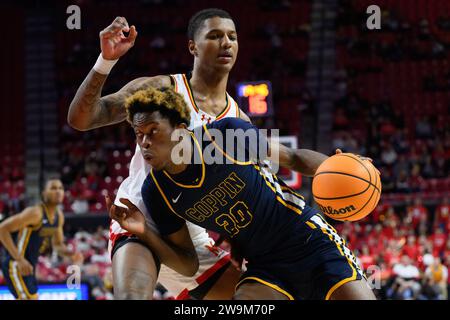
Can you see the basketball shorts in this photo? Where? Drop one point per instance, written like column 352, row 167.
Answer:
column 314, row 270
column 23, row 288
column 212, row 260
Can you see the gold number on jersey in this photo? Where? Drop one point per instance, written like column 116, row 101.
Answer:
column 238, row 217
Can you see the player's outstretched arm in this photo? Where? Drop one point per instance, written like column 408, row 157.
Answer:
column 304, row 161
column 175, row 250
column 31, row 216
column 88, row 109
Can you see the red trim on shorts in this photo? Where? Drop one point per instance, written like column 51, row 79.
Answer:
column 208, row 273
column 184, row 295
column 114, row 236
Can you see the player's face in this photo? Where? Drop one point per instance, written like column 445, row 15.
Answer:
column 216, row 44
column 54, row 192
column 153, row 135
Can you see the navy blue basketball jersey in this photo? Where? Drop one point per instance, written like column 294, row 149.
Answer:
column 234, row 196
column 34, row 241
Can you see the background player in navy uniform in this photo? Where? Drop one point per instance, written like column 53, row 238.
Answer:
column 28, row 234
column 292, row 252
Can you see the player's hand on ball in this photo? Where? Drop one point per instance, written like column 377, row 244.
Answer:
column 25, row 268
column 113, row 42
column 339, row 151
column 130, row 218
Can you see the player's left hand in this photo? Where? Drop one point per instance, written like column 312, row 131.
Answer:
column 339, row 151
column 129, row 218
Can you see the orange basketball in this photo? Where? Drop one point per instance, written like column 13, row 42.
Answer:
column 346, row 188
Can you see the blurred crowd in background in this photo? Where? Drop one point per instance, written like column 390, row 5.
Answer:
column 391, row 103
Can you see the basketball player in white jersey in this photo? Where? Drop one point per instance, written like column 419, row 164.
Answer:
column 213, row 43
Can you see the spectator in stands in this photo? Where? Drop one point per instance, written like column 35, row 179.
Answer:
column 80, row 206
column 365, row 258
column 428, row 168
column 417, row 212
column 438, row 239
column 388, row 155
column 436, row 276
column 441, row 219
column 407, row 276
column 423, row 128
column 446, row 252
column 411, row 249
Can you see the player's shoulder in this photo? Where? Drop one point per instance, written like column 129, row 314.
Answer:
column 148, row 186
column 33, row 214
column 230, row 123
column 36, row 210
column 158, row 82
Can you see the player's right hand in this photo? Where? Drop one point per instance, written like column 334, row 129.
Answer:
column 113, row 42
column 130, row 218
column 25, row 268
column 236, row 257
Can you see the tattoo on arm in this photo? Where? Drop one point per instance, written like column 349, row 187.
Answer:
column 89, row 110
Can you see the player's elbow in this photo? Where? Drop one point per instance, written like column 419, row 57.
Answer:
column 76, row 123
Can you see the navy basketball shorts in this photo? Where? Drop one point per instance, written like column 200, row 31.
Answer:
column 23, row 288
column 311, row 265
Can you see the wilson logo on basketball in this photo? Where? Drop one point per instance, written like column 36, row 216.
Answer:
column 330, row 210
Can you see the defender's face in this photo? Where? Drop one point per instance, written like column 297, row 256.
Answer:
column 216, row 43
column 153, row 135
column 54, row 192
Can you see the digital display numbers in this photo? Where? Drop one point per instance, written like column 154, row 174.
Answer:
column 255, row 98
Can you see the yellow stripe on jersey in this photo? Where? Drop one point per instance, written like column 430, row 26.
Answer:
column 292, row 191
column 191, row 96
column 271, row 285
column 224, row 112
column 241, row 163
column 18, row 283
column 198, row 185
column 339, row 284
column 341, row 251
column 22, row 240
column 311, row 225
column 14, row 281
column 24, row 286
column 164, row 195
column 291, row 206
column 27, row 240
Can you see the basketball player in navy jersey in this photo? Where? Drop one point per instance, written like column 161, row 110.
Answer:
column 292, row 252
column 214, row 46
column 30, row 233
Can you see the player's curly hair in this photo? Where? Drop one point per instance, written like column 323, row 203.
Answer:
column 170, row 104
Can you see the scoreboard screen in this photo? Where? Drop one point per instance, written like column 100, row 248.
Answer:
column 255, row 98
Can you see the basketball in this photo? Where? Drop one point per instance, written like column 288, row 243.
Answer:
column 346, row 188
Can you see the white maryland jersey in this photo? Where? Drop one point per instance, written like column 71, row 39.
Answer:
column 139, row 169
